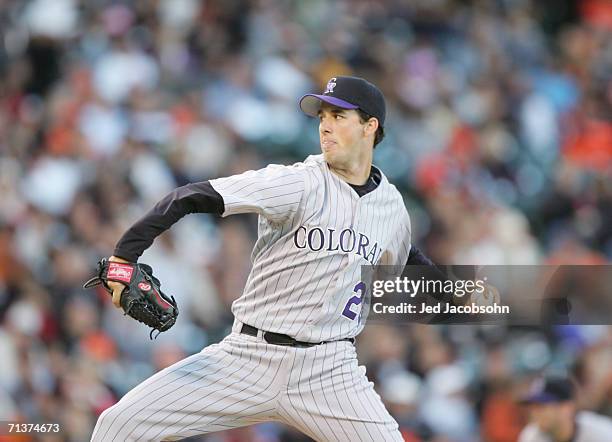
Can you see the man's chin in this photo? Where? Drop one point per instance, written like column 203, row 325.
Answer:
column 330, row 156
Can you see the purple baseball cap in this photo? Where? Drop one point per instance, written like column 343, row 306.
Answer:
column 347, row 93
column 550, row 390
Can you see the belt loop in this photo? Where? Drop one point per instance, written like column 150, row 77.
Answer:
column 237, row 326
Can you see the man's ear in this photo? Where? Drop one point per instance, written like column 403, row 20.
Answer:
column 370, row 126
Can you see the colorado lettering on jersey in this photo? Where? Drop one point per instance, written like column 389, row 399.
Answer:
column 332, row 240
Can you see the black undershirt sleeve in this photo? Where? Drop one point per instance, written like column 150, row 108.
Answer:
column 435, row 273
column 192, row 198
column 416, row 257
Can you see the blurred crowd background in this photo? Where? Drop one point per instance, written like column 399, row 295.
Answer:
column 499, row 137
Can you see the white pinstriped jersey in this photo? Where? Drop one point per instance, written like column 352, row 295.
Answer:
column 315, row 233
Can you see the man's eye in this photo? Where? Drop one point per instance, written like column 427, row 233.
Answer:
column 338, row 116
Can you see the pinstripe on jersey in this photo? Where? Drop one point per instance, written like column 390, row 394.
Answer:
column 315, row 233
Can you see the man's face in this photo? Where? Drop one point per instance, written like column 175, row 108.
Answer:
column 550, row 417
column 342, row 135
column 544, row 416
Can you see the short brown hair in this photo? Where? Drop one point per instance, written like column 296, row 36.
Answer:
column 380, row 132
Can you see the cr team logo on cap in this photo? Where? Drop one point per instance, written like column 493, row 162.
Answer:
column 347, row 93
column 331, row 84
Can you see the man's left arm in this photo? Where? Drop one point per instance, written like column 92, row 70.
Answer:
column 416, row 257
column 435, row 272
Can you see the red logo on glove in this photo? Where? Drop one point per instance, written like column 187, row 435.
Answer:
column 119, row 272
column 144, row 286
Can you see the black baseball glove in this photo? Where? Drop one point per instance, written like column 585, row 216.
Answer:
column 141, row 298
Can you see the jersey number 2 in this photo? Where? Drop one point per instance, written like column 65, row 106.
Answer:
column 355, row 300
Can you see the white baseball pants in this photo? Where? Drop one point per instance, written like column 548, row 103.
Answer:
column 243, row 380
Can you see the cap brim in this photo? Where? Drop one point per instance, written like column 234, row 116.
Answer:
column 541, row 398
column 311, row 103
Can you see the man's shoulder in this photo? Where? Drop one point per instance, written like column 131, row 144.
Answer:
column 310, row 162
column 295, row 169
column 594, row 423
column 531, row 433
column 391, row 191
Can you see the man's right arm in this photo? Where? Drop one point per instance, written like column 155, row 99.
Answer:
column 416, row 257
column 192, row 198
column 273, row 192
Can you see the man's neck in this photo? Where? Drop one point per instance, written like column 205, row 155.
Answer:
column 566, row 431
column 357, row 172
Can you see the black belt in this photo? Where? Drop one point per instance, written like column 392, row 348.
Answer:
column 280, row 339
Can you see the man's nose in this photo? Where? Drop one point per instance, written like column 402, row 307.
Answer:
column 325, row 126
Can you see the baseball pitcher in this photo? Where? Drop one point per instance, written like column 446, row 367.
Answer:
column 290, row 356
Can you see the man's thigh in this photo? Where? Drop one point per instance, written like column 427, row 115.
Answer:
column 331, row 399
column 227, row 385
